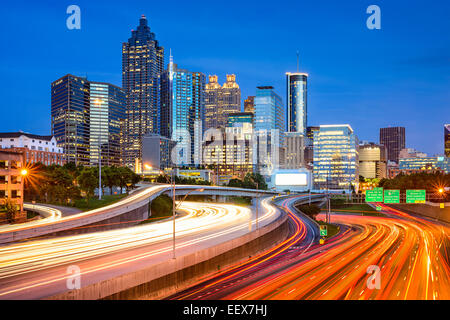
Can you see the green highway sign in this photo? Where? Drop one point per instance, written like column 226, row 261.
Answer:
column 323, row 230
column 391, row 196
column 416, row 196
column 375, row 195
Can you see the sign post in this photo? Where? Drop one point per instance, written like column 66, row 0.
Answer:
column 415, row 196
column 391, row 196
column 375, row 195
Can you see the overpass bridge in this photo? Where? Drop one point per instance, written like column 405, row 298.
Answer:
column 126, row 212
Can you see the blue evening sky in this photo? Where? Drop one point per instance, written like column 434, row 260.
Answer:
column 398, row 76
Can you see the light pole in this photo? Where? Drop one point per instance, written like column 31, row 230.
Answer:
column 173, row 213
column 23, row 173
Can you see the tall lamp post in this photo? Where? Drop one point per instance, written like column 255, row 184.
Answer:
column 23, row 173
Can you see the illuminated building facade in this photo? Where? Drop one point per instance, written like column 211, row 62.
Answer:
column 239, row 117
column 295, row 150
column 107, row 113
column 372, row 161
column 220, row 101
column 230, row 155
column 412, row 165
column 86, row 118
column 142, row 64
column 156, row 153
column 11, row 183
column 336, row 159
column 393, row 138
column 182, row 111
column 297, row 106
column 249, row 104
column 70, row 104
column 269, row 114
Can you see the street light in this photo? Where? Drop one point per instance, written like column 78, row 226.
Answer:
column 174, row 207
column 23, row 172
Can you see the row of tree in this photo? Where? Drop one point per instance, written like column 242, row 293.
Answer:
column 182, row 180
column 431, row 182
column 63, row 184
column 250, row 181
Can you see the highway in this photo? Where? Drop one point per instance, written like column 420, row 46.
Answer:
column 412, row 254
column 137, row 199
column 38, row 269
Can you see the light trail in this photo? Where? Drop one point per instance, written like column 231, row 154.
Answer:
column 202, row 224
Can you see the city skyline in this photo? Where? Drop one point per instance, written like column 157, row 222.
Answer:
column 360, row 90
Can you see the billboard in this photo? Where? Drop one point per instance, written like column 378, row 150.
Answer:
column 291, row 179
column 415, row 196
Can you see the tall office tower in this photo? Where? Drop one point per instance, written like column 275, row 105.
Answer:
column 269, row 127
column 107, row 111
column 372, row 161
column 295, row 150
column 249, row 104
column 336, row 158
column 142, row 64
column 220, row 101
column 86, row 117
column 182, row 111
column 70, row 106
column 309, row 151
column 393, row 138
column 269, row 112
column 447, row 140
column 297, row 107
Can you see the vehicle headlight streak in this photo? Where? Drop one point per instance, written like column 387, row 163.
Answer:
column 20, row 259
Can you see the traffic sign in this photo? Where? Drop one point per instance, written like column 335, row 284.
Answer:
column 391, row 196
column 375, row 195
column 415, row 196
column 323, row 230
column 322, row 241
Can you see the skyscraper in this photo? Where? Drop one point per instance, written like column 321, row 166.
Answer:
column 447, row 140
column 296, row 96
column 86, row 119
column 249, row 104
column 372, row 161
column 393, row 138
column 70, row 106
column 220, row 101
column 269, row 127
column 269, row 112
column 142, row 64
column 182, row 111
column 107, row 113
column 336, row 158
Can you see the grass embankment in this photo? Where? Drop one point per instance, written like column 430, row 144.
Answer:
column 332, row 229
column 362, row 208
column 93, row 203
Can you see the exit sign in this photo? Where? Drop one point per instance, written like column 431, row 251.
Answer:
column 391, row 196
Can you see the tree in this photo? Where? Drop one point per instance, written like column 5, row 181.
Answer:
column 88, row 181
column 310, row 210
column 161, row 206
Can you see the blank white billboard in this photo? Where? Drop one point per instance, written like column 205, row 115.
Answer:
column 291, row 179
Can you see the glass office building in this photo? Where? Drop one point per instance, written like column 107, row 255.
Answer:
column 142, row 64
column 239, row 117
column 297, row 106
column 269, row 112
column 107, row 111
column 70, row 119
column 393, row 138
column 182, row 111
column 439, row 163
column 86, row 120
column 336, row 159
